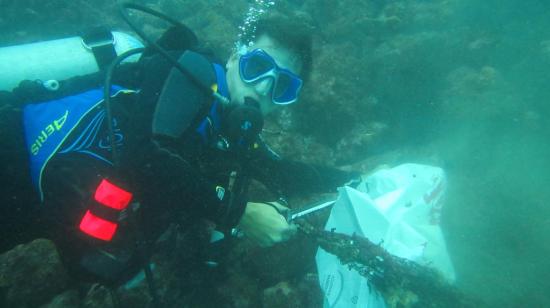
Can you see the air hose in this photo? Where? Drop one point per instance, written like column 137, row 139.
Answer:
column 114, row 153
column 123, row 7
column 107, row 99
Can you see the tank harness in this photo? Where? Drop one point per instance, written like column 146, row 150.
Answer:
column 49, row 129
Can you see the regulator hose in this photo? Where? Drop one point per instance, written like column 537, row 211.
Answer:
column 107, row 100
column 123, row 7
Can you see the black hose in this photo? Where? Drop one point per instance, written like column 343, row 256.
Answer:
column 126, row 5
column 114, row 153
column 156, row 302
column 107, row 100
column 115, row 299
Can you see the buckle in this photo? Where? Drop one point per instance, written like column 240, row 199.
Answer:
column 101, row 42
column 91, row 44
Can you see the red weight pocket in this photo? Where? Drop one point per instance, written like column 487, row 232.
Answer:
column 97, row 227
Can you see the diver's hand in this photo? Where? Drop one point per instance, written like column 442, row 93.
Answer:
column 264, row 225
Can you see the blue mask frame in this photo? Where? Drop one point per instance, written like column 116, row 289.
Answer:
column 257, row 65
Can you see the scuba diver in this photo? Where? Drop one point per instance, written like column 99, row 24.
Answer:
column 180, row 152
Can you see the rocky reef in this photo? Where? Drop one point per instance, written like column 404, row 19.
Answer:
column 390, row 79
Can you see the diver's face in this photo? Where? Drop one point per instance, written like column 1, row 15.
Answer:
column 260, row 90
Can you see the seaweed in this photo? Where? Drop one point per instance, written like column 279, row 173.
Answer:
column 402, row 283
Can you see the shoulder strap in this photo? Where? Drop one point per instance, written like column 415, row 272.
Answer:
column 101, row 42
column 181, row 99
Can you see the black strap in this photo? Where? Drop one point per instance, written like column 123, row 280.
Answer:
column 102, row 44
column 104, row 212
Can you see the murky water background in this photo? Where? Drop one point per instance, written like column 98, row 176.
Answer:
column 460, row 84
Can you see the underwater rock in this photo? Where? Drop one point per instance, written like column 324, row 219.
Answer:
column 304, row 293
column 354, row 145
column 98, row 296
column 479, row 93
column 31, row 274
column 67, row 299
column 281, row 295
column 237, row 290
column 310, row 291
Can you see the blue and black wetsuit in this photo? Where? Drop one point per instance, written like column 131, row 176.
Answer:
column 170, row 176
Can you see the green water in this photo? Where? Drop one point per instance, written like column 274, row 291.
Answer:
column 498, row 157
column 463, row 82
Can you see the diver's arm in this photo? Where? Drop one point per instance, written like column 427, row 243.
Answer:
column 293, row 177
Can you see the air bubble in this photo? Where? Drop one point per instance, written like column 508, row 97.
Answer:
column 248, row 28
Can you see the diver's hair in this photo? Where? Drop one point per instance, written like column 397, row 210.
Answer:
column 291, row 31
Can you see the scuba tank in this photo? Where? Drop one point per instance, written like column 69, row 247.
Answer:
column 63, row 58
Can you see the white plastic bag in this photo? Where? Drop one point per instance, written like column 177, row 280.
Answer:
column 399, row 208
